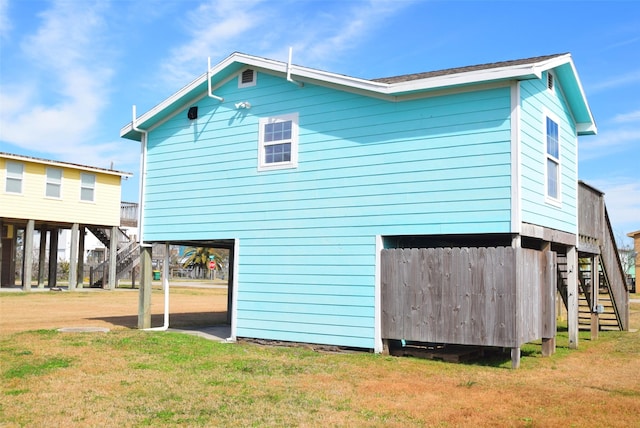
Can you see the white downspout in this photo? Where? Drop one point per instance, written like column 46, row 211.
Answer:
column 209, row 82
column 143, row 176
column 289, row 70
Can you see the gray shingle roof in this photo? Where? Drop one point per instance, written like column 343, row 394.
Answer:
column 428, row 74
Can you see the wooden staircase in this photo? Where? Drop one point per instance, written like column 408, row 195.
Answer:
column 127, row 256
column 597, row 246
column 608, row 318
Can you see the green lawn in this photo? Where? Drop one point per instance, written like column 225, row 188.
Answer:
column 134, row 378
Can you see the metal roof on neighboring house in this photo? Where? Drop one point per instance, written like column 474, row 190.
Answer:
column 64, row 164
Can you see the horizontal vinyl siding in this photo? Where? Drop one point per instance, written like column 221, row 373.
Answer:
column 33, row 204
column 536, row 100
column 367, row 167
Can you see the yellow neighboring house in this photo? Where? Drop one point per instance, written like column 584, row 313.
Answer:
column 46, row 195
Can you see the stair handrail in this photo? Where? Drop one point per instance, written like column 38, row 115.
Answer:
column 122, row 253
column 612, row 267
column 131, row 254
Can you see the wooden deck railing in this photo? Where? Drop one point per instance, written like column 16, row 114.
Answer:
column 128, row 214
column 615, row 275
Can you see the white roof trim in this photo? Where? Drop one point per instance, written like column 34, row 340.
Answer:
column 519, row 71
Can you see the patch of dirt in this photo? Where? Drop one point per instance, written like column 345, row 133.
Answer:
column 117, row 309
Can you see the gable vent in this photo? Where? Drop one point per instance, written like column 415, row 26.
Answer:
column 549, row 80
column 247, row 78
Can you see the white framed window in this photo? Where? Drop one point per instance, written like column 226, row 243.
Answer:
column 15, row 172
column 53, row 184
column 552, row 158
column 278, row 142
column 87, row 187
column 248, row 77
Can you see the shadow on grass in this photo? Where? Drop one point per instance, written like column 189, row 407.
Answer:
column 176, row 320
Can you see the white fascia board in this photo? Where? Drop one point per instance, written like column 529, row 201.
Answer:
column 586, row 128
column 523, row 71
column 312, row 74
column 592, row 129
column 466, row 78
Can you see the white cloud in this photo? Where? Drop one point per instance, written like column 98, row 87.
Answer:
column 633, row 116
column 615, row 81
column 622, row 198
column 343, row 32
column 211, row 28
column 5, row 23
column 608, row 141
column 56, row 107
column 319, row 32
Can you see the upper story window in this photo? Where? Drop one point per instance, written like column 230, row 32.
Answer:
column 15, row 171
column 53, row 184
column 247, row 78
column 553, row 159
column 278, row 145
column 87, row 187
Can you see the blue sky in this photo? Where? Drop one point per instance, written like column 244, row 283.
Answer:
column 71, row 70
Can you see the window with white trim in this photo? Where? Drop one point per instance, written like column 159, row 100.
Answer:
column 553, row 159
column 15, row 171
column 278, row 145
column 87, row 187
column 53, row 185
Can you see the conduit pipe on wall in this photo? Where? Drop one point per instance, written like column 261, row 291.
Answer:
column 165, row 287
column 210, row 93
column 289, row 70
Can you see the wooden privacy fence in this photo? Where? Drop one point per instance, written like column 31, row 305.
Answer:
column 470, row 296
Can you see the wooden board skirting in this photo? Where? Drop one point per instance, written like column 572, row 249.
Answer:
column 499, row 296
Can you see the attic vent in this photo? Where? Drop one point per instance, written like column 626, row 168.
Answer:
column 247, row 78
column 549, row 80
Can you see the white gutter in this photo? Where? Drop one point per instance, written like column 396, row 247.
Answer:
column 210, row 93
column 165, row 287
column 289, row 70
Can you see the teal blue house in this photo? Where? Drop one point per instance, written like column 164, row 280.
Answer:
column 309, row 176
